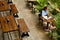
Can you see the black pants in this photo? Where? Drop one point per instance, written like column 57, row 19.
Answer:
column 47, row 25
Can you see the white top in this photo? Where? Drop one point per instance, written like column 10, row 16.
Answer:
column 47, row 18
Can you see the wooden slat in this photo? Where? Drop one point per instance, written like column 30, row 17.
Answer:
column 23, row 25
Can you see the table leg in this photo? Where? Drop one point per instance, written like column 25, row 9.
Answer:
column 19, row 37
column 3, row 35
column 19, row 33
column 10, row 12
column 9, row 36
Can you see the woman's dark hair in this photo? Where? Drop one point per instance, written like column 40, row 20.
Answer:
column 45, row 8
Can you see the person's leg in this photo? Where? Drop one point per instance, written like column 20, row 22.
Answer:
column 47, row 25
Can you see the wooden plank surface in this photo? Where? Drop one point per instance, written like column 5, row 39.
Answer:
column 23, row 25
column 13, row 8
column 4, row 6
column 10, row 26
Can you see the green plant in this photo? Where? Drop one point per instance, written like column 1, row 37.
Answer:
column 54, row 12
column 57, row 3
column 41, row 4
column 57, row 20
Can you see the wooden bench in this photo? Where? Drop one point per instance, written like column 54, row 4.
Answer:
column 8, row 26
column 23, row 27
column 14, row 10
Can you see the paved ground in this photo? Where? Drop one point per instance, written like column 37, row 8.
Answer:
column 31, row 20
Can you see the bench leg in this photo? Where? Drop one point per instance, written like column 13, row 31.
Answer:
column 10, row 2
column 15, row 15
column 19, row 33
column 25, row 34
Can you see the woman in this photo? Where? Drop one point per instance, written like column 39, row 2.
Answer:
column 45, row 16
column 45, row 12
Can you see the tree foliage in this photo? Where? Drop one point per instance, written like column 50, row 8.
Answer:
column 41, row 4
column 56, row 2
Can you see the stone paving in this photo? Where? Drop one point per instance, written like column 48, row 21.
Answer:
column 36, row 33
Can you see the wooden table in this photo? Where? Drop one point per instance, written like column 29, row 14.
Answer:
column 8, row 26
column 11, row 25
column 4, row 6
